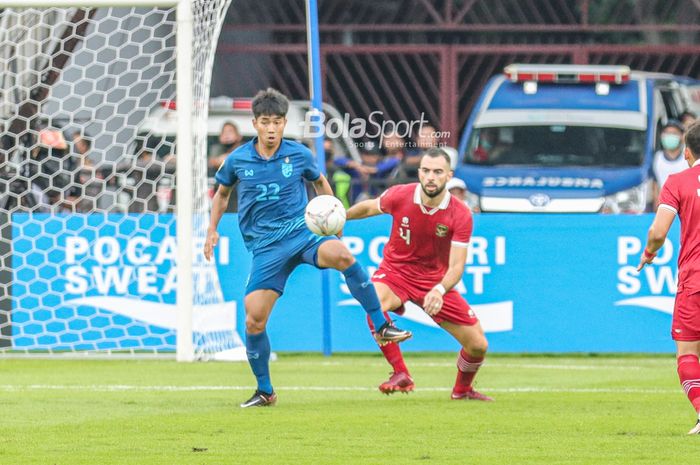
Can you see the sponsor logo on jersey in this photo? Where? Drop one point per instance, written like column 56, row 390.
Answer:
column 249, row 172
column 287, row 169
column 441, row 230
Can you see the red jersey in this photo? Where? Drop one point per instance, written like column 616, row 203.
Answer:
column 681, row 195
column 421, row 237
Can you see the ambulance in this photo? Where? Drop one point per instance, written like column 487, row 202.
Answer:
column 567, row 138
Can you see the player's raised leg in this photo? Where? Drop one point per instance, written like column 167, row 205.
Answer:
column 689, row 375
column 258, row 306
column 334, row 254
column 469, row 360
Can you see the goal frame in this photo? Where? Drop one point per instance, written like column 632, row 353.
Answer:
column 185, row 153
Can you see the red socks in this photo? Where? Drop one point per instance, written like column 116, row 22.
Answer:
column 467, row 367
column 391, row 351
column 689, row 374
column 392, row 354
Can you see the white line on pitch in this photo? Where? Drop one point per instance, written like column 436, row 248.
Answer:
column 124, row 387
column 496, row 364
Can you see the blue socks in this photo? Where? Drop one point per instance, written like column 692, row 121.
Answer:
column 258, row 352
column 362, row 289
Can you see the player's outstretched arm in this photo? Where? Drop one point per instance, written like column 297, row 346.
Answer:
column 364, row 209
column 657, row 235
column 218, row 207
column 322, row 186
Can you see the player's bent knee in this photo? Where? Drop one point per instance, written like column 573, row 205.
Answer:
column 477, row 347
column 343, row 260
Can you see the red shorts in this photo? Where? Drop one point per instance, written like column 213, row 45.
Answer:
column 686, row 316
column 454, row 308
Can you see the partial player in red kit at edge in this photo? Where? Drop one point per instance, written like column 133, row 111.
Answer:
column 680, row 196
column 423, row 261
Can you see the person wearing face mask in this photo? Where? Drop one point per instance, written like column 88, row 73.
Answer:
column 669, row 159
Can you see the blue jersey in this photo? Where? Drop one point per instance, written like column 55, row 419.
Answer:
column 271, row 192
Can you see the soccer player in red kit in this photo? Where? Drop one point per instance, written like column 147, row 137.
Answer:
column 680, row 196
column 423, row 261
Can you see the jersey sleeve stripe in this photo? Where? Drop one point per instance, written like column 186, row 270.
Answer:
column 379, row 204
column 668, row 207
column 463, row 245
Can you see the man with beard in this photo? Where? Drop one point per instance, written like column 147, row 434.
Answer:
column 423, row 261
column 680, row 196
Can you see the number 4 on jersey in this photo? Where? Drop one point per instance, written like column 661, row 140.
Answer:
column 405, row 234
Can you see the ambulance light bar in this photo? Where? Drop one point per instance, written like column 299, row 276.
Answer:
column 568, row 74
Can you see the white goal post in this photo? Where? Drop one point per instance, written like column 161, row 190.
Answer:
column 34, row 118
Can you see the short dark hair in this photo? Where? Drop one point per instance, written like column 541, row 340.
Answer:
column 230, row 123
column 270, row 102
column 692, row 139
column 674, row 123
column 436, row 152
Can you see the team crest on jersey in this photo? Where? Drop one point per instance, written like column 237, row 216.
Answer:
column 287, row 169
column 441, row 230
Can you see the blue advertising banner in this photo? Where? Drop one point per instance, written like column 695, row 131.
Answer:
column 103, row 282
column 539, row 283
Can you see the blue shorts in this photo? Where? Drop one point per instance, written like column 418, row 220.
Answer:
column 273, row 264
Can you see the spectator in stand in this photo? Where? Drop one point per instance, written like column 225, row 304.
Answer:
column 352, row 176
column 81, row 149
column 458, row 188
column 49, row 169
column 87, row 180
column 687, row 118
column 229, row 139
column 141, row 180
column 368, row 177
column 381, row 166
column 425, row 139
column 341, row 181
column 669, row 159
column 329, row 150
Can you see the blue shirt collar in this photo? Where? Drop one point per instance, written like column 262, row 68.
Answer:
column 255, row 153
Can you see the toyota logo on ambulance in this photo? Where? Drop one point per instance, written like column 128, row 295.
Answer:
column 539, row 200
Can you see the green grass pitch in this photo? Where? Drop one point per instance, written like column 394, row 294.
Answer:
column 548, row 410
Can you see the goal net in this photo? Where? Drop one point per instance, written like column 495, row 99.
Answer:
column 91, row 179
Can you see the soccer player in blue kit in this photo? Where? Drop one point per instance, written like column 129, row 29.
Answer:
column 270, row 172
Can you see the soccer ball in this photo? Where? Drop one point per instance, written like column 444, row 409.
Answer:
column 325, row 215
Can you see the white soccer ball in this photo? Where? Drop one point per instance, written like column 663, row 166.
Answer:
column 325, row 215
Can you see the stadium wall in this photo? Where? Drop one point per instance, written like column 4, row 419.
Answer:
column 539, row 283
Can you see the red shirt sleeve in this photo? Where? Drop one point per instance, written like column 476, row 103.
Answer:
column 670, row 197
column 387, row 199
column 463, row 226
